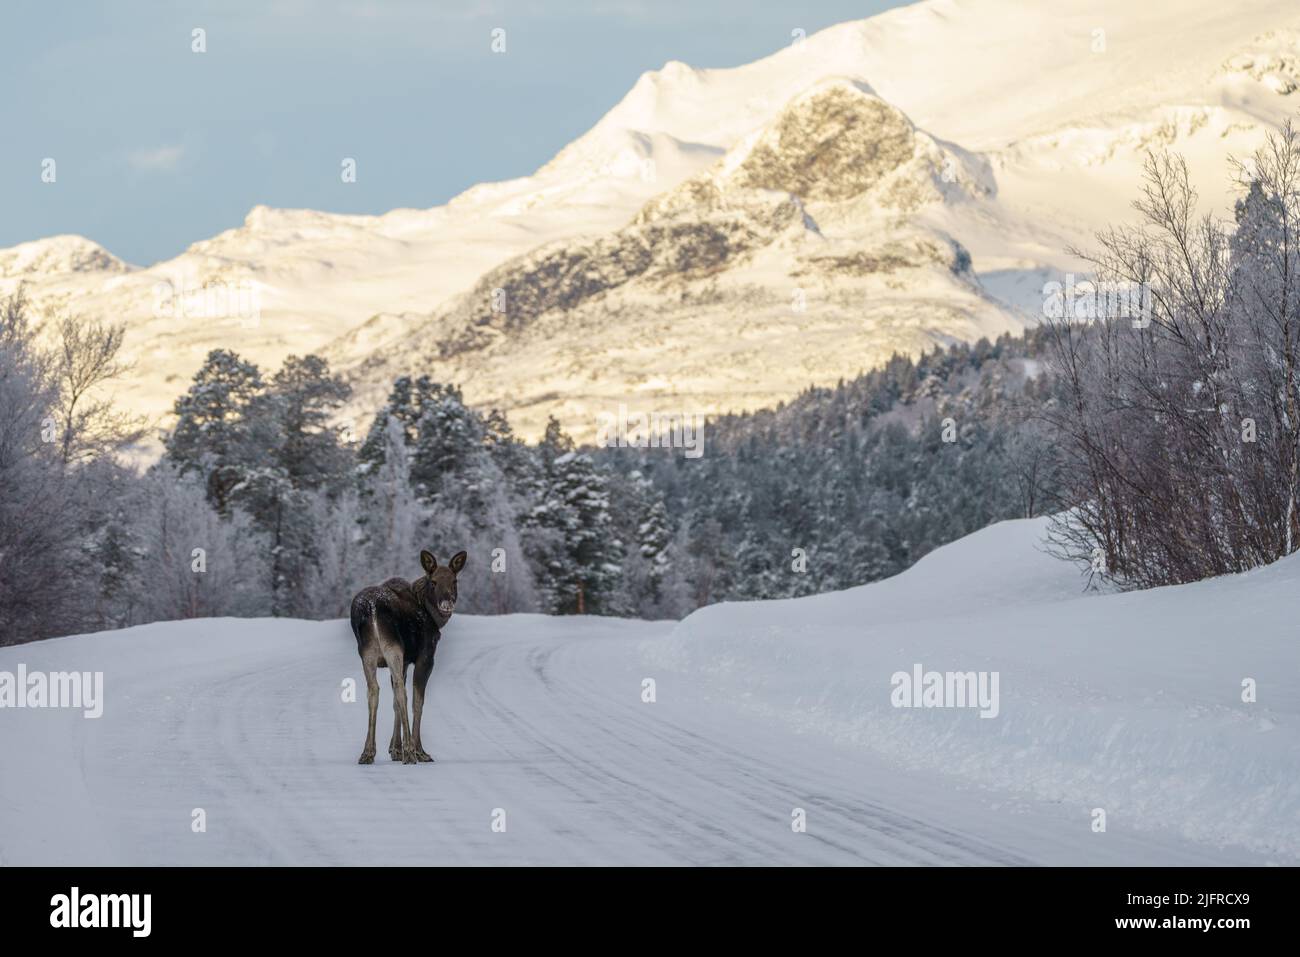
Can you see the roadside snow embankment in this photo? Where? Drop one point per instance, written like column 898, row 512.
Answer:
column 1132, row 703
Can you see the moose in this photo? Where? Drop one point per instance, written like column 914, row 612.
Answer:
column 398, row 624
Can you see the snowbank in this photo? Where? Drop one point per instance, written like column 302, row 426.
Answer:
column 1132, row 703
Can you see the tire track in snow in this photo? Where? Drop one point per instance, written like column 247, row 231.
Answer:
column 870, row 833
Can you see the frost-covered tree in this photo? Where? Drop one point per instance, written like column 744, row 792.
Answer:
column 341, row 564
column 1180, row 433
column 393, row 519
column 398, row 408
column 87, row 358
column 469, row 476
column 39, row 522
column 193, row 562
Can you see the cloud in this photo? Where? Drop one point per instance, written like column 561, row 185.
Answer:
column 162, row 158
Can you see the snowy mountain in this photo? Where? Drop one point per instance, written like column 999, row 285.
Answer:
column 796, row 257
column 722, row 238
column 58, row 256
column 1131, row 704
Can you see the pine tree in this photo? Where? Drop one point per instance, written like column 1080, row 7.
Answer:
column 582, row 574
column 304, row 397
column 555, row 442
column 402, row 408
column 655, row 540
column 448, row 445
column 268, row 496
column 649, row 536
column 213, row 423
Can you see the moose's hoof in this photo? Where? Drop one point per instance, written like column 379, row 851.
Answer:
column 422, row 755
column 395, row 754
column 408, row 756
column 367, row 757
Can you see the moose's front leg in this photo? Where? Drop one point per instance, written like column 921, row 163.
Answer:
column 422, row 672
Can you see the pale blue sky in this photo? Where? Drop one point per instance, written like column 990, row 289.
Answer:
column 157, row 147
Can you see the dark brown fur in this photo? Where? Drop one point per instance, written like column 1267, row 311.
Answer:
column 398, row 624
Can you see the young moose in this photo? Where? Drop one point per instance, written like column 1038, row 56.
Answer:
column 398, row 624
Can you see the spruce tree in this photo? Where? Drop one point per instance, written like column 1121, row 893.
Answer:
column 213, row 422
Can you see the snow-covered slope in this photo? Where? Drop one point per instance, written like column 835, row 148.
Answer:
column 1005, row 130
column 1128, row 703
column 1132, row 703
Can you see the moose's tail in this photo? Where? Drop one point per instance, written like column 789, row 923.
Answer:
column 362, row 613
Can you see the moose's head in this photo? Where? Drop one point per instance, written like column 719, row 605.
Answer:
column 440, row 588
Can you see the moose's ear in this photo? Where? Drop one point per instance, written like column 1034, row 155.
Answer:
column 457, row 562
column 428, row 562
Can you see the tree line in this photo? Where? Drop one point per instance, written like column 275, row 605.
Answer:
column 263, row 504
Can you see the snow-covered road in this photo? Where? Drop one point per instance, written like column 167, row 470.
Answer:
column 540, row 718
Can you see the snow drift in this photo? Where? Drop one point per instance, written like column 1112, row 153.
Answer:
column 1132, row 702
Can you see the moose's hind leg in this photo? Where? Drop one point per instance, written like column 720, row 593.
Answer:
column 368, row 664
column 395, row 742
column 406, row 744
column 392, row 652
